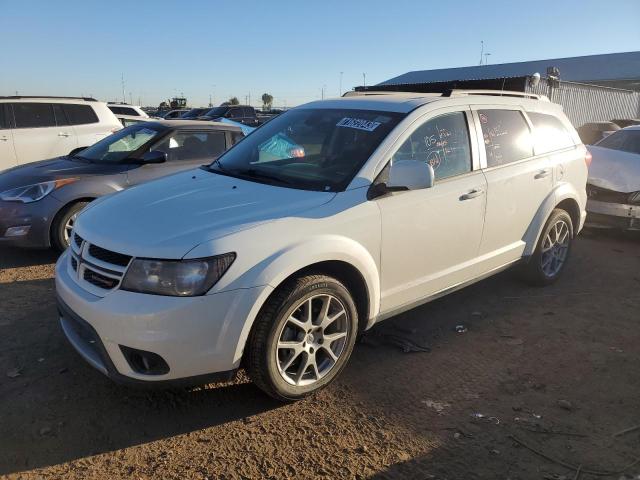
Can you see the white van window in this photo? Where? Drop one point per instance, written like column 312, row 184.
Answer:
column 507, row 137
column 443, row 143
column 549, row 133
column 33, row 115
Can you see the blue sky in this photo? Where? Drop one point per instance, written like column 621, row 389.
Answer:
column 291, row 49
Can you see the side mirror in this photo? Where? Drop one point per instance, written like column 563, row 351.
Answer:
column 410, row 175
column 154, row 156
column 76, row 150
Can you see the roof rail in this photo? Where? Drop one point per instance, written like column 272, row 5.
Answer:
column 17, row 97
column 497, row 93
column 358, row 93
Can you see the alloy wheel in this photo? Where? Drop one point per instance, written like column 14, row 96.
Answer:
column 312, row 339
column 555, row 248
column 68, row 228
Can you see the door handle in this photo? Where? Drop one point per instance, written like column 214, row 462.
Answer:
column 542, row 174
column 472, row 194
column 4, row 139
column 64, row 134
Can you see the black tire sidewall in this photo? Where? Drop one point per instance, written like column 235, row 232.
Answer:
column 326, row 285
column 60, row 220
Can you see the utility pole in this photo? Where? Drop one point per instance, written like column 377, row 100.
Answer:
column 364, row 80
column 210, row 104
column 130, row 98
column 481, row 51
column 322, row 91
column 486, row 61
column 124, row 97
column 340, row 91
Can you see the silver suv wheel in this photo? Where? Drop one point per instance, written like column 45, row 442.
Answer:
column 555, row 247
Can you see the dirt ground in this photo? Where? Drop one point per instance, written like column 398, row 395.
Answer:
column 553, row 370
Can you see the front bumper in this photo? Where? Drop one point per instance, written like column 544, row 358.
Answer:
column 37, row 215
column 613, row 215
column 196, row 336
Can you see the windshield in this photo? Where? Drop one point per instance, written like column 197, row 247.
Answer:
column 623, row 140
column 121, row 144
column 216, row 112
column 312, row 149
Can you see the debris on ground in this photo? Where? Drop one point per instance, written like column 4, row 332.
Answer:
column 460, row 329
column 14, row 372
column 437, row 406
column 482, row 416
column 565, row 404
column 407, row 345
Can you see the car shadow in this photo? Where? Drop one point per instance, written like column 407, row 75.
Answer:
column 12, row 257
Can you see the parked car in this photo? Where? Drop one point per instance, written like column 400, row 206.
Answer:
column 128, row 120
column 35, row 128
column 591, row 133
column 238, row 113
column 172, row 114
column 614, row 181
column 329, row 218
column 126, row 109
column 193, row 114
column 39, row 202
column 626, row 122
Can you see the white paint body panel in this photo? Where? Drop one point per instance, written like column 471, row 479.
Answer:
column 407, row 246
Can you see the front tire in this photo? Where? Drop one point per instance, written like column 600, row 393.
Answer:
column 62, row 225
column 303, row 337
column 552, row 251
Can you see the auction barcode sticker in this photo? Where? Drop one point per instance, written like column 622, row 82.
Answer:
column 358, row 123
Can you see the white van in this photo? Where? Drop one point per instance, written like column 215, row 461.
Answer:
column 333, row 216
column 39, row 128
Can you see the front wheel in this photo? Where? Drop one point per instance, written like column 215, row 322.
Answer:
column 551, row 254
column 63, row 223
column 303, row 337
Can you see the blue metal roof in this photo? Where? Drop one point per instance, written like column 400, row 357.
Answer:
column 590, row 68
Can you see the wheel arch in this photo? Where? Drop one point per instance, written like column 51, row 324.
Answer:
column 63, row 209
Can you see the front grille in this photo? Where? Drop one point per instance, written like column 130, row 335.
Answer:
column 78, row 240
column 108, row 256
column 611, row 196
column 74, row 264
column 99, row 280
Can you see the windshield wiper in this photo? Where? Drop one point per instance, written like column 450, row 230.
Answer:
column 258, row 175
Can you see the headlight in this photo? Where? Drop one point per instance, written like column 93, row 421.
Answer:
column 177, row 278
column 35, row 192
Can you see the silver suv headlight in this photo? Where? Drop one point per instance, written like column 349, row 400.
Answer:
column 34, row 192
column 177, row 278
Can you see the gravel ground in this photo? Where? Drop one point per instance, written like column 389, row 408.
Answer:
column 553, row 370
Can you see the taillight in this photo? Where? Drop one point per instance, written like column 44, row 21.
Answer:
column 587, row 158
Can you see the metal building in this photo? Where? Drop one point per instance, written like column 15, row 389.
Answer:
column 591, row 88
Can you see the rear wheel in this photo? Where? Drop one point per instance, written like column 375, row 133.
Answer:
column 303, row 337
column 63, row 223
column 551, row 254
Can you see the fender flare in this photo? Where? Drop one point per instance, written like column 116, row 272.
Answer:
column 561, row 192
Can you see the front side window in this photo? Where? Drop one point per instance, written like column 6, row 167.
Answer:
column 192, row 145
column 623, row 140
column 549, row 134
column 312, row 149
column 506, row 135
column 80, row 114
column 121, row 145
column 34, row 115
column 443, row 143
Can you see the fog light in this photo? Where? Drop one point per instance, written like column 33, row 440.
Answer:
column 17, row 231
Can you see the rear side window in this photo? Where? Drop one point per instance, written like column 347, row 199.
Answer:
column 192, row 145
column 61, row 118
column 623, row 140
column 80, row 114
column 506, row 135
column 34, row 115
column 123, row 111
column 235, row 113
column 443, row 143
column 549, row 133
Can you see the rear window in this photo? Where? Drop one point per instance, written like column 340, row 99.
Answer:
column 34, row 115
column 623, row 140
column 80, row 114
column 123, row 111
column 506, row 135
column 549, row 133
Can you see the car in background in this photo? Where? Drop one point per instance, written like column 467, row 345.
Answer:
column 333, row 216
column 36, row 128
column 128, row 120
column 172, row 114
column 39, row 202
column 238, row 113
column 126, row 109
column 193, row 114
column 614, row 181
column 591, row 133
column 626, row 122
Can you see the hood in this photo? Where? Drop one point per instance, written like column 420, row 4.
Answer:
column 46, row 170
column 614, row 170
column 168, row 217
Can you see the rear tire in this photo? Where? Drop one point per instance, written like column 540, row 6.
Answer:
column 552, row 251
column 302, row 338
column 63, row 225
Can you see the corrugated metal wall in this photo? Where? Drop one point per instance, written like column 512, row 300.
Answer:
column 585, row 103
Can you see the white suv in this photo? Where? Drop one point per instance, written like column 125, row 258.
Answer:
column 39, row 128
column 126, row 109
column 331, row 217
